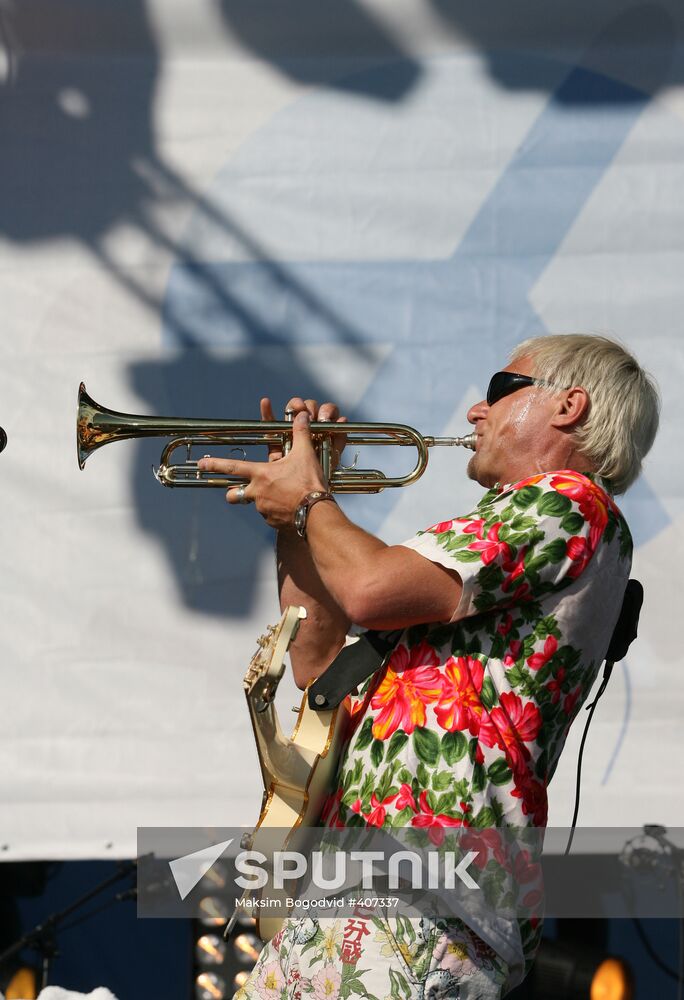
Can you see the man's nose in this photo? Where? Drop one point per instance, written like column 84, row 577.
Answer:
column 477, row 412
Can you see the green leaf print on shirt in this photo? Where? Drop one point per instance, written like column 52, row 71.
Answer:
column 396, row 743
column 454, row 747
column 365, row 736
column 426, row 746
column 525, row 497
column 554, row 504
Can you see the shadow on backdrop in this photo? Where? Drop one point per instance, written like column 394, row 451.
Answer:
column 80, row 157
column 633, row 45
column 476, row 303
column 322, row 46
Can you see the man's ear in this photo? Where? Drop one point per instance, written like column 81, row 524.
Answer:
column 573, row 408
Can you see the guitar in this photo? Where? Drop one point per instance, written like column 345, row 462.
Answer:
column 297, row 771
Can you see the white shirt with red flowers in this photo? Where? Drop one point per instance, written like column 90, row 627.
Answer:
column 465, row 724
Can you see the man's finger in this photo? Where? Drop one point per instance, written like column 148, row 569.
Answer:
column 266, row 409
column 295, row 405
column 301, row 431
column 328, row 412
column 227, row 466
column 275, row 451
column 238, row 494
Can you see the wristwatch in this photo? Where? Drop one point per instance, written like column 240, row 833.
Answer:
column 305, row 506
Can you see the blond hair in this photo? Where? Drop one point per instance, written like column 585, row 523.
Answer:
column 624, row 403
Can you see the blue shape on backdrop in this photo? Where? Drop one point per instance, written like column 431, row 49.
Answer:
column 474, row 305
column 448, row 321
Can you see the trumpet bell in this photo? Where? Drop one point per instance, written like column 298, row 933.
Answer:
column 97, row 426
column 87, row 438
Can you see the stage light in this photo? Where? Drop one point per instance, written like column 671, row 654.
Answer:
column 210, row 950
column 217, row 876
column 241, row 978
column 567, row 971
column 222, row 967
column 247, row 948
column 22, row 985
column 612, row 981
column 210, row 986
column 214, row 912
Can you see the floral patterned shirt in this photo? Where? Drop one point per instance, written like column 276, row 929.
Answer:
column 465, row 723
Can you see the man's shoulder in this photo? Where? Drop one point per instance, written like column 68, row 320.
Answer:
column 571, row 497
column 577, row 486
column 556, row 479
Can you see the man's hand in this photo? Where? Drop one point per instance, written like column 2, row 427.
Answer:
column 278, row 486
column 325, row 413
column 341, row 573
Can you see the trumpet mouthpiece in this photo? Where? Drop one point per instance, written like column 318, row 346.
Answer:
column 468, row 441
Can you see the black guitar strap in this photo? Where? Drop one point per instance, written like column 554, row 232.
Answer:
column 351, row 667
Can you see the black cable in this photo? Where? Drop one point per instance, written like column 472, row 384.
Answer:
column 624, row 632
column 590, row 709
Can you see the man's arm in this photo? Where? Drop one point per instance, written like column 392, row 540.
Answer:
column 322, row 633
column 346, row 573
column 378, row 586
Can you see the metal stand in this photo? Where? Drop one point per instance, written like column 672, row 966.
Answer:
column 656, row 854
column 43, row 937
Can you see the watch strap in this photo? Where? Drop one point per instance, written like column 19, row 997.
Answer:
column 305, row 506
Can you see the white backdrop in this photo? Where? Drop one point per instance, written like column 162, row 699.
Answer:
column 206, row 202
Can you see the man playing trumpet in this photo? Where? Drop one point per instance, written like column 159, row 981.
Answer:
column 505, row 614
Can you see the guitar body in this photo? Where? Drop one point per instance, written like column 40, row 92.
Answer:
column 298, row 771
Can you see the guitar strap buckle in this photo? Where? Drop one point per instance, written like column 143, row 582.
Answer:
column 351, row 667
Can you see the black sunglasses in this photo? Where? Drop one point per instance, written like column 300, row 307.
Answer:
column 504, row 383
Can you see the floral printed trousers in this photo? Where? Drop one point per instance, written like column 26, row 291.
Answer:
column 378, row 958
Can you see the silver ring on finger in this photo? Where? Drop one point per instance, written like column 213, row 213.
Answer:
column 241, row 498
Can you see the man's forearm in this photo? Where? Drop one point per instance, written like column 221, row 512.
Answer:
column 341, row 573
column 377, row 586
column 344, row 557
column 323, row 631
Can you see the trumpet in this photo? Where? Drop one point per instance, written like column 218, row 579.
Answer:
column 97, row 426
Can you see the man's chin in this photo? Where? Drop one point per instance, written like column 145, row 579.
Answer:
column 472, row 469
column 479, row 475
